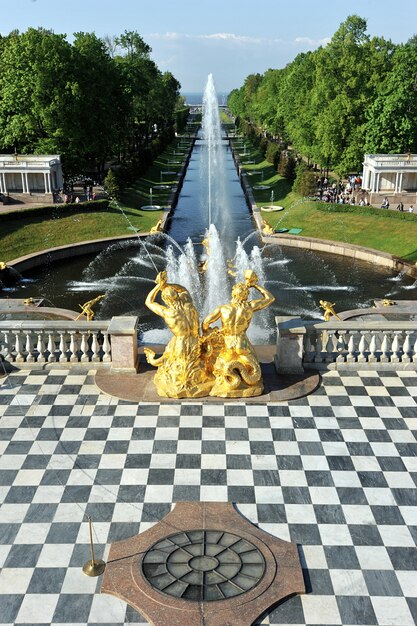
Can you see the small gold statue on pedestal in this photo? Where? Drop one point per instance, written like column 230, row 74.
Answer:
column 236, row 368
column 181, row 372
column 3, row 265
column 328, row 310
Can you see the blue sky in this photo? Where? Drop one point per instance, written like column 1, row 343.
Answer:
column 228, row 38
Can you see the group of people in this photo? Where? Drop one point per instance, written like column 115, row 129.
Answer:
column 400, row 207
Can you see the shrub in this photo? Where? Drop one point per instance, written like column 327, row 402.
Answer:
column 273, row 153
column 305, row 181
column 111, row 185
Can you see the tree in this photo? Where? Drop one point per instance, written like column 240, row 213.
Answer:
column 392, row 118
column 111, row 185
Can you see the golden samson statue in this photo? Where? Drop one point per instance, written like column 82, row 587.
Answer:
column 222, row 362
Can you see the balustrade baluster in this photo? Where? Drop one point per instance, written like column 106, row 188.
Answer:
column 351, row 355
column 318, row 357
column 414, row 357
column 95, row 347
column 396, row 348
column 329, row 358
column 407, row 349
column 8, row 353
column 386, row 349
column 363, row 348
column 84, row 347
column 341, row 347
column 106, row 348
column 40, row 349
column 30, row 357
column 63, row 357
column 51, row 348
column 373, row 349
column 18, row 346
column 73, row 346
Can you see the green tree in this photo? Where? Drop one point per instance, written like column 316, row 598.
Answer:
column 111, row 185
column 392, row 118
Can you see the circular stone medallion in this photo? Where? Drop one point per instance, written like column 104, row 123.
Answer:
column 203, row 565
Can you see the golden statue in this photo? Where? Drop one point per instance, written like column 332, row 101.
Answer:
column 87, row 309
column 28, row 301
column 266, row 228
column 231, row 357
column 328, row 310
column 156, row 228
column 3, row 265
column 203, row 264
column 181, row 372
column 387, row 302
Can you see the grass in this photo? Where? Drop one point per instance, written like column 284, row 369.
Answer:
column 380, row 232
column 24, row 236
column 20, row 236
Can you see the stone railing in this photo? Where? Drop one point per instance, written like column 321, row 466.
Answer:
column 345, row 345
column 26, row 343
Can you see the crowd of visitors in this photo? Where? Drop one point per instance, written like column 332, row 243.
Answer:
column 341, row 193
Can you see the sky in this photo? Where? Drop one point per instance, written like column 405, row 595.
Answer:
column 228, row 38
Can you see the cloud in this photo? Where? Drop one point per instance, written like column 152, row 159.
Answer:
column 314, row 43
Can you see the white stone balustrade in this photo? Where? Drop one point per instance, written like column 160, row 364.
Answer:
column 345, row 345
column 26, row 343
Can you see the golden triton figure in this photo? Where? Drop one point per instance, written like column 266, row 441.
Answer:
column 3, row 265
column 203, row 264
column 181, row 372
column 232, row 358
column 328, row 310
column 156, row 228
column 266, row 228
column 87, row 308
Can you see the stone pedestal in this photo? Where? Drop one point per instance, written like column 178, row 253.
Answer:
column 290, row 338
column 124, row 344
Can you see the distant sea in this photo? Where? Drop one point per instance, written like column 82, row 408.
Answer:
column 196, row 97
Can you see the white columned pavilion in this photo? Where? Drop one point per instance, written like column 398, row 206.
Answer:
column 30, row 177
column 391, row 175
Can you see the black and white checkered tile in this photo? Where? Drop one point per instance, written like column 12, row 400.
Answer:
column 335, row 472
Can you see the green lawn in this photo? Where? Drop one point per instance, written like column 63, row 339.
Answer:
column 395, row 236
column 20, row 236
column 23, row 236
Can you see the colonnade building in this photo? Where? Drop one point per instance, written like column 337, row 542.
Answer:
column 30, row 177
column 391, row 175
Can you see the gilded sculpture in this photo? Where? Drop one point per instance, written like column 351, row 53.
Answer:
column 329, row 311
column 236, row 369
column 180, row 369
column 87, row 308
column 222, row 362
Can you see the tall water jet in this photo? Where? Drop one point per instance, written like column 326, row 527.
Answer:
column 212, row 163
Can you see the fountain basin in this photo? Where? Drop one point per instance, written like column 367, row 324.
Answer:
column 261, row 187
column 151, row 207
column 271, row 209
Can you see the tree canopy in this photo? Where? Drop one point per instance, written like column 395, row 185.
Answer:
column 357, row 94
column 90, row 101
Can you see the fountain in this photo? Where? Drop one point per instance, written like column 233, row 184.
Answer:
column 297, row 278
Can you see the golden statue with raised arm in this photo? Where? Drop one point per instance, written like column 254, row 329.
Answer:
column 87, row 308
column 181, row 372
column 233, row 361
column 329, row 311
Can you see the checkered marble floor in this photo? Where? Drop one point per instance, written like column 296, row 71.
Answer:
column 335, row 472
